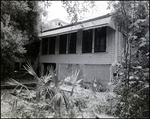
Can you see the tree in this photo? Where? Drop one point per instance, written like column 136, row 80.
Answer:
column 77, row 9
column 133, row 85
column 19, row 21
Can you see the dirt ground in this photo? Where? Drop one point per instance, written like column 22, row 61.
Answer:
column 9, row 110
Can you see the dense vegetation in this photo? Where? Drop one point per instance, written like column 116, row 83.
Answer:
column 19, row 21
column 133, row 79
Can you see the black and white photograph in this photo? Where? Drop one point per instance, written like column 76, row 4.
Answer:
column 74, row 59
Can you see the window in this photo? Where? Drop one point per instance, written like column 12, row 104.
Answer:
column 100, row 40
column 44, row 46
column 52, row 45
column 87, row 41
column 63, row 44
column 72, row 37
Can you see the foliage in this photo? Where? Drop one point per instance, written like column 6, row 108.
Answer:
column 11, row 46
column 48, row 89
column 133, row 83
column 97, row 85
column 81, row 104
column 19, row 21
column 73, row 80
column 24, row 16
column 50, row 92
column 77, row 9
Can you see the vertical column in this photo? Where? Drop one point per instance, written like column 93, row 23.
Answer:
column 67, row 48
column 93, row 40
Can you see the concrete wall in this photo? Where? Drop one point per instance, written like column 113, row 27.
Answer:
column 99, row 72
column 88, row 72
column 90, row 64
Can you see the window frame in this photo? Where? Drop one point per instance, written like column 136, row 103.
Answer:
column 100, row 40
column 88, row 44
column 69, row 39
column 60, row 40
column 47, row 46
column 49, row 40
column 93, row 39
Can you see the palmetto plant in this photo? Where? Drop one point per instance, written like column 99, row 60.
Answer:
column 48, row 87
column 42, row 82
column 59, row 100
column 74, row 80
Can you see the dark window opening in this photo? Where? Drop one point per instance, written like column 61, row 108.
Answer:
column 47, row 67
column 44, row 46
column 16, row 66
column 87, row 41
column 63, row 44
column 52, row 45
column 72, row 38
column 100, row 40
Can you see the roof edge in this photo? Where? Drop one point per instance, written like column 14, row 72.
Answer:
column 100, row 17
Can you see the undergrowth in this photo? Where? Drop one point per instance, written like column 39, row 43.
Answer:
column 48, row 100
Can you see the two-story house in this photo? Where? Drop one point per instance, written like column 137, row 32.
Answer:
column 90, row 46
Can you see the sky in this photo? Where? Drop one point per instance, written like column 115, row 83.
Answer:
column 57, row 11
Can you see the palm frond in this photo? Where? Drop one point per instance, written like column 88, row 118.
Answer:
column 28, row 67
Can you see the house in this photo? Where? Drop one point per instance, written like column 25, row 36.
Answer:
column 90, row 46
column 55, row 23
column 33, row 50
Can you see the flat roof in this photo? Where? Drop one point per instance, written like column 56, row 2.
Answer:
column 101, row 21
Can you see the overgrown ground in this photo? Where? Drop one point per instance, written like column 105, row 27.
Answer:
column 53, row 98
column 88, row 104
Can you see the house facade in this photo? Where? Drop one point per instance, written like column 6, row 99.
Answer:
column 90, row 46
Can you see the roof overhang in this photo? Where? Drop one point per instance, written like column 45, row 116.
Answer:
column 93, row 23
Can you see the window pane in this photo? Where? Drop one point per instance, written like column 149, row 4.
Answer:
column 87, row 41
column 103, row 44
column 44, row 46
column 100, row 40
column 62, row 44
column 52, row 45
column 72, row 37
